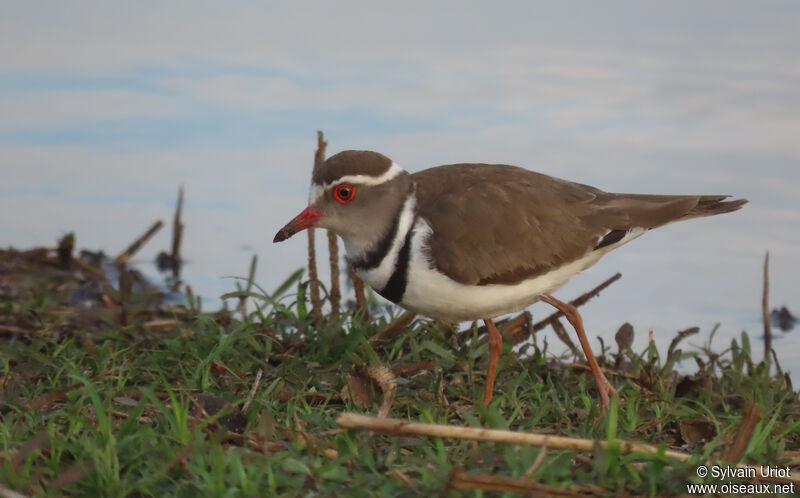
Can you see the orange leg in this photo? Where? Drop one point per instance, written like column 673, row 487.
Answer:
column 495, row 348
column 571, row 312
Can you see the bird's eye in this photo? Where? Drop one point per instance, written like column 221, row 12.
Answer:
column 344, row 193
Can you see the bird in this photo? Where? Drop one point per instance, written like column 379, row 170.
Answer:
column 469, row 241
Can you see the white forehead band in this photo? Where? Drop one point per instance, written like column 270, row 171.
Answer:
column 317, row 190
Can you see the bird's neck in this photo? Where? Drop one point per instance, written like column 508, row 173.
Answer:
column 374, row 258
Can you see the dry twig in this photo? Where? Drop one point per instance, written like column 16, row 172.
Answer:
column 399, row 427
column 536, row 462
column 253, row 390
column 90, row 272
column 517, row 328
column 177, row 231
column 578, row 301
column 313, row 278
column 335, row 295
column 562, row 334
column 461, row 480
column 138, row 243
column 395, row 329
column 358, row 288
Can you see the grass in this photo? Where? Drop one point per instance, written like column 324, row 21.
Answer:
column 112, row 410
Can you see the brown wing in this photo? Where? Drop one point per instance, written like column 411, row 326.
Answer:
column 502, row 224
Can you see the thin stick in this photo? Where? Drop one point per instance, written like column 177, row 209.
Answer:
column 579, row 301
column 319, row 155
column 89, row 270
column 253, row 390
column 358, row 288
column 765, row 312
column 316, row 302
column 536, row 463
column 335, row 293
column 395, row 329
column 527, row 487
column 177, row 233
column 397, row 427
column 138, row 243
column 562, row 334
column 313, row 279
column 517, row 328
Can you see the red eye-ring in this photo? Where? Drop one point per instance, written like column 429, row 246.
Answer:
column 344, row 193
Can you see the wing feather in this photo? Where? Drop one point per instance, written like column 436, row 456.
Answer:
column 502, row 224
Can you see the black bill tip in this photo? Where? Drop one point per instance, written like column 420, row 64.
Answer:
column 282, row 235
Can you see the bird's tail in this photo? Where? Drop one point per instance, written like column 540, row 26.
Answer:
column 710, row 205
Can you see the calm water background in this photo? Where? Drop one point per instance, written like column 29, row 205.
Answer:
column 105, row 110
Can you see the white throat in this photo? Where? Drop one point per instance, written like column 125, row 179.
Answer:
column 356, row 247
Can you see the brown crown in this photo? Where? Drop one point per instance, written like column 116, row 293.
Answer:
column 351, row 162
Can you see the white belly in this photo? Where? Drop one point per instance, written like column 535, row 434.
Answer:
column 431, row 293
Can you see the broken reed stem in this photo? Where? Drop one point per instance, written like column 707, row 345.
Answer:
column 177, row 232
column 579, row 301
column 398, row 427
column 335, row 293
column 765, row 312
column 138, row 243
column 319, row 155
column 358, row 288
column 313, row 279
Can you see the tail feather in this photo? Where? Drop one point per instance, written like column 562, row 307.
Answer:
column 710, row 205
column 626, row 211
